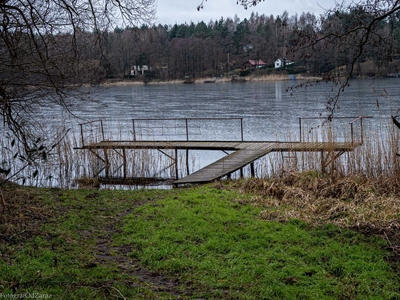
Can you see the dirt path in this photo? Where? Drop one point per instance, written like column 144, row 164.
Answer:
column 106, row 253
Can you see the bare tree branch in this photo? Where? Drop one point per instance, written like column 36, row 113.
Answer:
column 43, row 59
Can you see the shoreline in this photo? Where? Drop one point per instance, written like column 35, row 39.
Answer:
column 207, row 80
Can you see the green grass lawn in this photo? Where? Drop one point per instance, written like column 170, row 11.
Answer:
column 205, row 236
column 195, row 243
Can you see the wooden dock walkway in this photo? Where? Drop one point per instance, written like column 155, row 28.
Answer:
column 186, row 132
column 224, row 166
column 245, row 153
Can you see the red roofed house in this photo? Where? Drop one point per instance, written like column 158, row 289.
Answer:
column 253, row 64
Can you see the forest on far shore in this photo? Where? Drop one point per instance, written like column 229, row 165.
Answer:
column 223, row 47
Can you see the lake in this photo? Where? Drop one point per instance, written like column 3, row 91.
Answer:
column 270, row 111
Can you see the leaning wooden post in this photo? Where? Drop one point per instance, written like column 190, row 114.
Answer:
column 102, row 129
column 82, row 139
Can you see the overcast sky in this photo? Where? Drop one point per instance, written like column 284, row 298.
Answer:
column 172, row 12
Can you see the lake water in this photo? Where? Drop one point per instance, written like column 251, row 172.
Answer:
column 270, row 110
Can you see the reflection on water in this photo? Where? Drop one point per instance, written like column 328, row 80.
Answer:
column 278, row 90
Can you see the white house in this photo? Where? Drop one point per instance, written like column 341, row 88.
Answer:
column 282, row 62
column 136, row 70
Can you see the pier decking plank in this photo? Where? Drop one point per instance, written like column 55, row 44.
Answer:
column 224, row 145
column 224, row 166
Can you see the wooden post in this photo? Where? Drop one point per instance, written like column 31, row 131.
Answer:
column 322, row 162
column 107, row 163
column 241, row 129
column 187, row 161
column 82, row 139
column 252, row 169
column 187, row 129
column 176, row 164
column 134, row 129
column 300, row 129
column 124, row 161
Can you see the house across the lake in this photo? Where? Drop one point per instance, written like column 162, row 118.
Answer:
column 139, row 70
column 282, row 62
column 253, row 64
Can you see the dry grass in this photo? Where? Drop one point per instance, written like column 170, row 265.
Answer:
column 25, row 212
column 359, row 202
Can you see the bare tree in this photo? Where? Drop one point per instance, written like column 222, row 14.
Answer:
column 245, row 3
column 356, row 31
column 47, row 47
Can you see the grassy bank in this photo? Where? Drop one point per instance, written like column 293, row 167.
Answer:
column 237, row 240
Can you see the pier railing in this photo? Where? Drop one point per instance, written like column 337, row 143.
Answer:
column 91, row 132
column 183, row 128
column 226, row 129
column 354, row 137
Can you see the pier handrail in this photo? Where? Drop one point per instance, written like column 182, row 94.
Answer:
column 360, row 118
column 351, row 123
column 91, row 122
column 186, row 123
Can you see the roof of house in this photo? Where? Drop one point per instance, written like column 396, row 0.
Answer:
column 256, row 62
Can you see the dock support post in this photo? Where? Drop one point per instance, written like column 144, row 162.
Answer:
column 124, row 161
column 252, row 169
column 187, row 161
column 241, row 173
column 176, row 164
column 322, row 162
column 107, row 163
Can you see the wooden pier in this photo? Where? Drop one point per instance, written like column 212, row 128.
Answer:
column 239, row 153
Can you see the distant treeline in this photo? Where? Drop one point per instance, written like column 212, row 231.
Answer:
column 220, row 48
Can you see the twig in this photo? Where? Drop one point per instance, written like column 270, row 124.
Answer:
column 118, row 292
column 388, row 239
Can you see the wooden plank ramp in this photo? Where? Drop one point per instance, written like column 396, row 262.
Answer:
column 224, row 166
column 246, row 152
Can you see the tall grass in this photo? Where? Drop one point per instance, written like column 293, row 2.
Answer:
column 374, row 158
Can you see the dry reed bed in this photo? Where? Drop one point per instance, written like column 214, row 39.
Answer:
column 359, row 202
